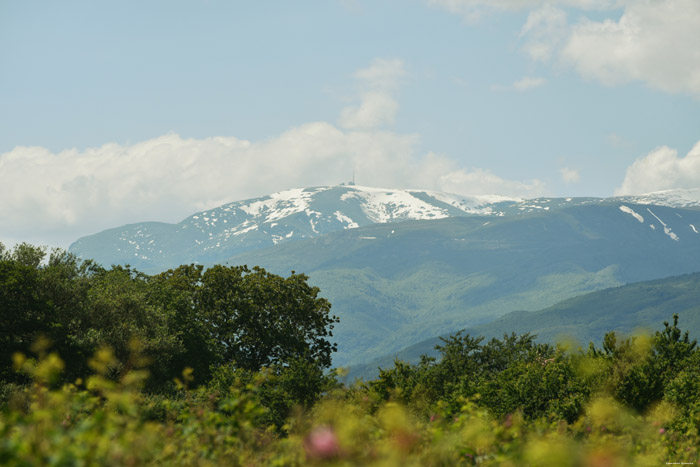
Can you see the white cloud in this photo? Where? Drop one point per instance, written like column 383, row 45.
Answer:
column 377, row 104
column 528, row 83
column 524, row 84
column 544, row 31
column 662, row 169
column 57, row 197
column 375, row 109
column 480, row 181
column 656, row 42
column 569, row 175
column 383, row 74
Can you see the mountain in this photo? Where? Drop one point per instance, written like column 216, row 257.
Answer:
column 400, row 266
column 396, row 284
column 210, row 236
column 641, row 306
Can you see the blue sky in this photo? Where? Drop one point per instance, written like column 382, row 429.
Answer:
column 131, row 111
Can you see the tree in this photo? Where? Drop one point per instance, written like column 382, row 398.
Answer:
column 176, row 292
column 22, row 311
column 258, row 319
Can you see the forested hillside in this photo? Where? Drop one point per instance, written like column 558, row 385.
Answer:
column 394, row 285
column 401, row 266
column 628, row 309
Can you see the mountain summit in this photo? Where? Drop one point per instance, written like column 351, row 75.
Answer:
column 242, row 226
column 400, row 266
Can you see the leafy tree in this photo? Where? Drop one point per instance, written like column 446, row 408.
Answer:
column 640, row 368
column 185, row 317
column 671, row 351
column 175, row 291
column 22, row 312
column 259, row 319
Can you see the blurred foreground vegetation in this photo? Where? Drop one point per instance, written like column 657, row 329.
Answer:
column 118, row 388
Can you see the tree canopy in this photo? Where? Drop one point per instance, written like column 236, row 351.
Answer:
column 184, row 317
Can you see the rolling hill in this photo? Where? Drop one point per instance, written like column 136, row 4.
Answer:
column 638, row 307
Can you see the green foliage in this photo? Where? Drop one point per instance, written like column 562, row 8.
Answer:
column 260, row 319
column 185, row 317
column 279, row 389
column 107, row 421
column 518, row 375
column 257, row 391
column 584, row 318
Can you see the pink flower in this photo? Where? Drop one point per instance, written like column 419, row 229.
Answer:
column 508, row 422
column 662, row 431
column 321, row 443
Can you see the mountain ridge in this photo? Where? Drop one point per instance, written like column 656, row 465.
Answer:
column 402, row 280
column 289, row 215
column 394, row 283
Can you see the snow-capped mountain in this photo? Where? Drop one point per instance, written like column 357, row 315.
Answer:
column 394, row 284
column 287, row 215
column 241, row 226
column 403, row 265
column 688, row 198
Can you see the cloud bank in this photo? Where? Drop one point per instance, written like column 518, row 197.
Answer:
column 662, row 169
column 655, row 42
column 56, row 197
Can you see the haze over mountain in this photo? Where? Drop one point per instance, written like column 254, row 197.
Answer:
column 400, row 266
column 626, row 310
column 231, row 229
column 234, row 228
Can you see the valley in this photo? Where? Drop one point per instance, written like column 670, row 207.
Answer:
column 401, row 266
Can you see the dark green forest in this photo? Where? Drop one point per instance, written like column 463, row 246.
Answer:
column 233, row 366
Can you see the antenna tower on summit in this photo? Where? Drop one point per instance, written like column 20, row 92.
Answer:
column 352, row 183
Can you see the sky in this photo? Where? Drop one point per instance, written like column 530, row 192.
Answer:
column 121, row 112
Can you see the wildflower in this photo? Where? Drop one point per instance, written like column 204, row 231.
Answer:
column 508, row 422
column 321, row 443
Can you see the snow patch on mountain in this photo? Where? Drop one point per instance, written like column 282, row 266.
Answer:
column 381, row 206
column 631, row 212
column 350, row 224
column 300, row 213
column 667, row 229
column 680, row 198
column 480, row 204
column 278, row 205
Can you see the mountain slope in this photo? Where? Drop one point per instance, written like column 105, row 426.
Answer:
column 215, row 234
column 394, row 284
column 403, row 265
column 586, row 318
column 234, row 228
